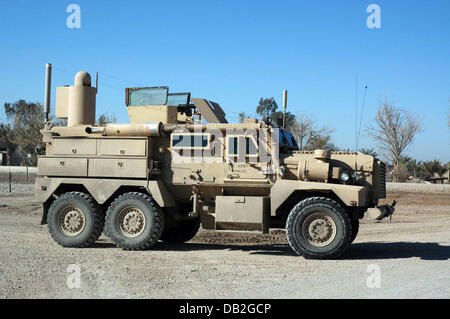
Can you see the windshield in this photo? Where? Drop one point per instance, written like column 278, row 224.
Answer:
column 177, row 99
column 287, row 139
column 148, row 96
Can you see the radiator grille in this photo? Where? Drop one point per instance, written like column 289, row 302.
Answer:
column 379, row 181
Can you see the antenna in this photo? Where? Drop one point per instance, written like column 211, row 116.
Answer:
column 360, row 119
column 356, row 128
column 356, row 113
column 358, row 132
column 284, row 107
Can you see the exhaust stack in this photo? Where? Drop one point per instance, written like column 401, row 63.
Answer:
column 284, row 108
column 48, row 87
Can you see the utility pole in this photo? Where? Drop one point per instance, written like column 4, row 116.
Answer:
column 284, row 107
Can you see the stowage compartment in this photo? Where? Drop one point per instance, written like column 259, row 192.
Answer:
column 60, row 166
column 117, row 167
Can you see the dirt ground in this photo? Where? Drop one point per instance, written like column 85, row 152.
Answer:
column 411, row 253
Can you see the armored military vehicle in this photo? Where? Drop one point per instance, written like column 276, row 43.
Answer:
column 179, row 165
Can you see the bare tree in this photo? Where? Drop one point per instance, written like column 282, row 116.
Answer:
column 106, row 118
column 395, row 129
column 310, row 136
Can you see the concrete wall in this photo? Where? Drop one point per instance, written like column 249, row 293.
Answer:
column 18, row 169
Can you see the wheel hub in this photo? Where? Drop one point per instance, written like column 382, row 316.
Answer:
column 71, row 220
column 131, row 221
column 319, row 229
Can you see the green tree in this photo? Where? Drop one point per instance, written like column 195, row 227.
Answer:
column 25, row 120
column 266, row 107
column 433, row 168
column 277, row 119
column 368, row 151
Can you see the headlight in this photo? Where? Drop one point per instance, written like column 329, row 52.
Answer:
column 345, row 177
column 282, row 171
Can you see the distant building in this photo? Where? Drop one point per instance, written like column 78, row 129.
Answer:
column 3, row 159
column 15, row 158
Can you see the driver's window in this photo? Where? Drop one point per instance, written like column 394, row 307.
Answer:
column 242, row 146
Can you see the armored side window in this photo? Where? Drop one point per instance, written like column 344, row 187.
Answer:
column 236, row 143
column 250, row 147
column 232, row 146
column 194, row 141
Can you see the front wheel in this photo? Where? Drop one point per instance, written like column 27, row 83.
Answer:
column 355, row 229
column 318, row 228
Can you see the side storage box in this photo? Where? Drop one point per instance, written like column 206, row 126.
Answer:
column 122, row 147
column 74, row 146
column 243, row 212
column 118, row 167
column 60, row 166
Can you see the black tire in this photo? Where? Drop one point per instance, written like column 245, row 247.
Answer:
column 148, row 215
column 180, row 231
column 318, row 211
column 355, row 229
column 88, row 225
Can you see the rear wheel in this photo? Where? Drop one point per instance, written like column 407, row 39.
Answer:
column 319, row 228
column 134, row 221
column 75, row 220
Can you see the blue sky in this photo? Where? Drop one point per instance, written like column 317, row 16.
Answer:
column 234, row 52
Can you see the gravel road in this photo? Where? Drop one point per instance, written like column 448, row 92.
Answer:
column 411, row 254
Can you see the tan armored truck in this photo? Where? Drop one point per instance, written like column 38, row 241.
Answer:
column 179, row 164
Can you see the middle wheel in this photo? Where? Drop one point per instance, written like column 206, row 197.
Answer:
column 134, row 221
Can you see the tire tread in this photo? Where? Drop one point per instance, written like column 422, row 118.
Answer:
column 99, row 220
column 159, row 220
column 318, row 202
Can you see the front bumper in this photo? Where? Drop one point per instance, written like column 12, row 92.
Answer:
column 380, row 212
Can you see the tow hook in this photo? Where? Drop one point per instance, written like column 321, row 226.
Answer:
column 383, row 211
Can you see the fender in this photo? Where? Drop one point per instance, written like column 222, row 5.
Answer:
column 103, row 189
column 282, row 189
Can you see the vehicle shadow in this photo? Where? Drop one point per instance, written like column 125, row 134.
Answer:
column 356, row 251
column 269, row 249
column 397, row 250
